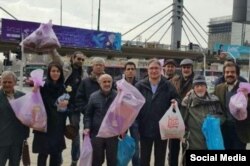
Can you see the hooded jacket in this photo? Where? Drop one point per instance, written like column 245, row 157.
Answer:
column 195, row 111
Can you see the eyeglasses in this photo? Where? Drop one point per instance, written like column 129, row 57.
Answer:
column 80, row 59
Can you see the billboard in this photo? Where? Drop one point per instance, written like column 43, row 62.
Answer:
column 12, row 30
column 237, row 51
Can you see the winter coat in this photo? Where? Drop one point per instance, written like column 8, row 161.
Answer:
column 155, row 106
column 243, row 126
column 51, row 142
column 182, row 86
column 12, row 131
column 96, row 110
column 195, row 111
column 86, row 88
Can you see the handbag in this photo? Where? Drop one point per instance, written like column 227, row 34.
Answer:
column 25, row 154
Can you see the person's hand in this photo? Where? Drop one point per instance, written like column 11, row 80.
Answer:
column 188, row 93
column 86, row 131
column 35, row 88
column 244, row 91
column 122, row 135
column 63, row 103
column 174, row 103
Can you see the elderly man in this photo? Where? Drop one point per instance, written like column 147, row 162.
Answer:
column 96, row 110
column 90, row 84
column 12, row 131
column 159, row 94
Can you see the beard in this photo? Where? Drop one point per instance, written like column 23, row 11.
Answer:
column 200, row 94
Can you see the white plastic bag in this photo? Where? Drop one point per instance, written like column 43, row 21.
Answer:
column 172, row 124
column 86, row 152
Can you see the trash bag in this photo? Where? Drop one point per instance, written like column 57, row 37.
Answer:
column 171, row 124
column 212, row 132
column 29, row 109
column 42, row 39
column 123, row 110
column 86, row 152
column 126, row 150
column 238, row 106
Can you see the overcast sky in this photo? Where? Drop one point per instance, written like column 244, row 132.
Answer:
column 116, row 15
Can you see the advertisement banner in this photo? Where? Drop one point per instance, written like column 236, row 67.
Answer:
column 12, row 30
column 237, row 51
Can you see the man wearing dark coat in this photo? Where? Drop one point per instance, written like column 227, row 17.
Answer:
column 12, row 131
column 97, row 107
column 159, row 94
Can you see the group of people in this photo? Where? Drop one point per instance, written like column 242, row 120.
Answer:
column 93, row 94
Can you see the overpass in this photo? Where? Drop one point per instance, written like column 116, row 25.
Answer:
column 126, row 52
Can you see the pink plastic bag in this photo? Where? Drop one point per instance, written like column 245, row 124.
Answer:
column 172, row 124
column 123, row 110
column 29, row 109
column 238, row 106
column 86, row 152
column 42, row 39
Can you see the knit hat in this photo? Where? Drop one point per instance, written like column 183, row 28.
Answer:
column 186, row 62
column 170, row 61
column 199, row 79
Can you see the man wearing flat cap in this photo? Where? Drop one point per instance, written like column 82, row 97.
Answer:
column 169, row 68
column 183, row 84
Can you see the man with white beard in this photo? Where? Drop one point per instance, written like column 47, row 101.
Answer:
column 196, row 106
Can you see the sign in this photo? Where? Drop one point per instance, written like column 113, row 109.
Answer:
column 67, row 36
column 237, row 51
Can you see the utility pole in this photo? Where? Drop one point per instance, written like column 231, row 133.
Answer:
column 177, row 24
column 99, row 13
column 61, row 13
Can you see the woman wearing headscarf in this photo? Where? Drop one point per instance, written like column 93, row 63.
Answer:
column 52, row 142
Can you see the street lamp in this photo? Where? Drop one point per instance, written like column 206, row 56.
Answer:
column 99, row 13
column 61, row 13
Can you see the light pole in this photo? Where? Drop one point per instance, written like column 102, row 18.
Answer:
column 61, row 13
column 99, row 13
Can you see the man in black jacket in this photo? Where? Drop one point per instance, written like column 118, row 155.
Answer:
column 89, row 84
column 96, row 110
column 159, row 94
column 12, row 131
column 129, row 73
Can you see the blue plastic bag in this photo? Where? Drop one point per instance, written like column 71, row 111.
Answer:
column 126, row 150
column 212, row 132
